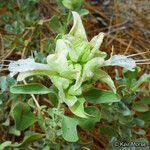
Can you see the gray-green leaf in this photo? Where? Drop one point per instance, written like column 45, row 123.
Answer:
column 29, row 89
column 23, row 116
column 69, row 129
column 97, row 96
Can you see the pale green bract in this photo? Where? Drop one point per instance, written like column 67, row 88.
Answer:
column 74, row 63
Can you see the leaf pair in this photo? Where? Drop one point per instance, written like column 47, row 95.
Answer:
column 69, row 125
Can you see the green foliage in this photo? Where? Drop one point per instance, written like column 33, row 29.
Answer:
column 56, row 25
column 69, row 130
column 73, row 5
column 89, row 123
column 16, row 21
column 145, row 117
column 142, row 105
column 97, row 96
column 5, row 99
column 53, row 96
column 5, row 144
column 29, row 89
column 109, row 132
column 121, row 114
column 75, row 64
column 5, row 82
column 23, row 116
column 26, row 141
column 29, row 139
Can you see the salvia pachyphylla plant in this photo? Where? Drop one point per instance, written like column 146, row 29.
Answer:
column 73, row 69
column 74, row 64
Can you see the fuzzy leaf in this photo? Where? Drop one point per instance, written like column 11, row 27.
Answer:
column 97, row 96
column 108, row 131
column 69, row 129
column 88, row 123
column 23, row 116
column 29, row 89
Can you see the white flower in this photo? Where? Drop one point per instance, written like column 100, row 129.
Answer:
column 122, row 61
column 125, row 61
column 24, row 65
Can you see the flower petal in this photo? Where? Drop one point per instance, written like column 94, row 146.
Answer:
column 24, row 65
column 122, row 61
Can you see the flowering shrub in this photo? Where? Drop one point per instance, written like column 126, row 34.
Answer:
column 76, row 62
column 73, row 68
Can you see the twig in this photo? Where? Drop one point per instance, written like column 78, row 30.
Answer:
column 123, row 43
column 36, row 102
column 128, row 46
column 8, row 54
column 109, row 28
column 4, row 69
column 26, row 43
